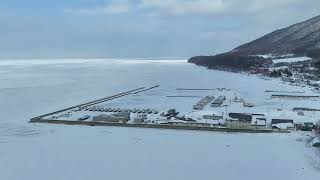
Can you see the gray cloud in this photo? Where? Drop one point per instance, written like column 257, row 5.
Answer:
column 114, row 7
column 193, row 7
column 146, row 28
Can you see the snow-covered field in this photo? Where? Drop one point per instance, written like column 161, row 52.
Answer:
column 291, row 60
column 38, row 151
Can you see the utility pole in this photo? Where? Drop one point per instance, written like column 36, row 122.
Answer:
column 226, row 111
column 268, row 112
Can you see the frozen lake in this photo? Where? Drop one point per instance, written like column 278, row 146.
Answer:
column 39, row 151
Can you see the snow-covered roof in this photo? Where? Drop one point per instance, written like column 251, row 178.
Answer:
column 281, row 121
column 283, row 125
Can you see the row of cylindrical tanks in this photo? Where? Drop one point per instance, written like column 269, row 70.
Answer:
column 203, row 102
column 108, row 109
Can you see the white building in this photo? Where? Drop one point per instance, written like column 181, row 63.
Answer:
column 287, row 124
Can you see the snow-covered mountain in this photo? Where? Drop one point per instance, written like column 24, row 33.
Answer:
column 294, row 39
column 301, row 39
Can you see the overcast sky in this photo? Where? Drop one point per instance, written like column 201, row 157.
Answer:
column 140, row 28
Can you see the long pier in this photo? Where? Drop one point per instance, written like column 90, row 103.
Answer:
column 280, row 91
column 195, row 89
column 101, row 100
column 304, row 109
column 183, row 96
column 157, row 126
column 146, row 89
column 292, row 96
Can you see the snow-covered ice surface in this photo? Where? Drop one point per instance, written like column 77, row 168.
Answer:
column 55, row 152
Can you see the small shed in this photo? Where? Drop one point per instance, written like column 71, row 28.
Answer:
column 282, row 123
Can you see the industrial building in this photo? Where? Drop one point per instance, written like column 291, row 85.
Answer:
column 121, row 117
column 239, row 121
column 141, row 118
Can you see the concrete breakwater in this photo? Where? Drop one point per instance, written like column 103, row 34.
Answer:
column 293, row 96
column 134, row 91
column 156, row 126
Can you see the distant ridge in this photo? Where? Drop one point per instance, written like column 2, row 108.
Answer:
column 301, row 39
